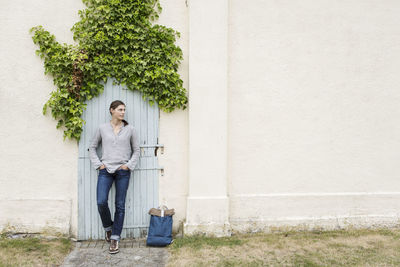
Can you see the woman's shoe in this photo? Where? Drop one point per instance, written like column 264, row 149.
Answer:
column 113, row 246
column 108, row 236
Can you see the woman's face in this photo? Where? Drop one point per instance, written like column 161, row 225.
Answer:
column 119, row 112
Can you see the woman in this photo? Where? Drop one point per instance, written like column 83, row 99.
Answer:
column 117, row 161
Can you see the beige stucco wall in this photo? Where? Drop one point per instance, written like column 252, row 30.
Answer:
column 314, row 117
column 173, row 126
column 312, row 114
column 38, row 181
column 293, row 117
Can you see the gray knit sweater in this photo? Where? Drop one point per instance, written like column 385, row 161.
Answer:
column 116, row 148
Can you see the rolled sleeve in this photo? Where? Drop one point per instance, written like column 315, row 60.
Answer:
column 94, row 158
column 136, row 150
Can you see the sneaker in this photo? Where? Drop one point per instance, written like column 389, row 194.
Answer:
column 108, row 236
column 113, row 247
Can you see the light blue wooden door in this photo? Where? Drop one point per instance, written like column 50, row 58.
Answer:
column 143, row 188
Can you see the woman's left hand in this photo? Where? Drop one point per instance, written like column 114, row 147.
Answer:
column 124, row 167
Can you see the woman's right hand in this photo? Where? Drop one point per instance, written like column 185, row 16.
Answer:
column 102, row 167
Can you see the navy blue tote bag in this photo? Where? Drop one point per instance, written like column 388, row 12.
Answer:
column 160, row 229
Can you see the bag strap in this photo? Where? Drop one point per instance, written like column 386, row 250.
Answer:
column 162, row 208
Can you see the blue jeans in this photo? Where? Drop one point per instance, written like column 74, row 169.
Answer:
column 104, row 183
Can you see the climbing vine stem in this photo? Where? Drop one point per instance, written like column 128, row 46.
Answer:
column 115, row 38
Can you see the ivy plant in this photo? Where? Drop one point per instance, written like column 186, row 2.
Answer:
column 114, row 38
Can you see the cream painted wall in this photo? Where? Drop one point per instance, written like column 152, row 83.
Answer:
column 309, row 92
column 38, row 180
column 314, row 117
column 174, row 126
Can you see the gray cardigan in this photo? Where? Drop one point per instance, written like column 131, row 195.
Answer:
column 116, row 149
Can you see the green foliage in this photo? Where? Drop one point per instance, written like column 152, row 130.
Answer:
column 115, row 39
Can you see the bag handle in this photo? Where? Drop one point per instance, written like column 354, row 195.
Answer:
column 162, row 208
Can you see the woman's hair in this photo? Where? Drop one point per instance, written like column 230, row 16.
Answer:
column 114, row 105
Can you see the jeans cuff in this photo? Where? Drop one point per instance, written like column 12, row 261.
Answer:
column 108, row 228
column 115, row 237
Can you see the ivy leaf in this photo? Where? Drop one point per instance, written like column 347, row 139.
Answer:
column 115, row 39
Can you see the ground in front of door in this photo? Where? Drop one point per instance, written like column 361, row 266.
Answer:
column 132, row 252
